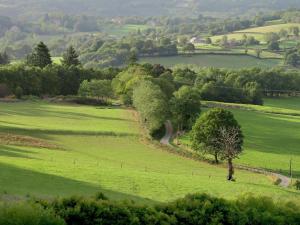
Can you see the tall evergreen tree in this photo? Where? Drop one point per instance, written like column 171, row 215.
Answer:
column 4, row 59
column 70, row 57
column 40, row 56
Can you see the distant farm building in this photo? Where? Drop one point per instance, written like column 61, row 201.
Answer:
column 197, row 40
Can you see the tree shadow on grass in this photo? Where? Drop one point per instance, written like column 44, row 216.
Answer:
column 43, row 133
column 43, row 112
column 8, row 151
column 20, row 182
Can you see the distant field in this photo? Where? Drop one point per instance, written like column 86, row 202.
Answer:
column 57, row 60
column 267, row 29
column 257, row 32
column 219, row 61
column 271, row 139
column 239, row 36
column 56, row 149
column 124, row 29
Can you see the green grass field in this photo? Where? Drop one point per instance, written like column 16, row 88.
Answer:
column 49, row 149
column 219, row 61
column 267, row 29
column 123, row 30
column 257, row 32
column 272, row 134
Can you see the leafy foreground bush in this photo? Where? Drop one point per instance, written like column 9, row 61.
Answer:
column 27, row 214
column 195, row 209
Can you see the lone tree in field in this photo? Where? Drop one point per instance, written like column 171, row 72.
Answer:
column 230, row 141
column 70, row 58
column 40, row 56
column 211, row 130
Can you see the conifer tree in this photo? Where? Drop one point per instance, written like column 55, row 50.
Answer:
column 4, row 59
column 40, row 56
column 70, row 57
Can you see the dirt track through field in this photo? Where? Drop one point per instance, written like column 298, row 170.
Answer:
column 169, row 133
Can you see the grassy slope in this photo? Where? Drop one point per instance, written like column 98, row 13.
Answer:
column 219, row 61
column 271, row 139
column 92, row 159
column 257, row 32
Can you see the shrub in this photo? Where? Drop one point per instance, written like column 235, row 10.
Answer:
column 198, row 209
column 27, row 214
column 19, row 92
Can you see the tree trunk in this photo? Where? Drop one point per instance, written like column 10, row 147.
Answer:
column 216, row 158
column 230, row 170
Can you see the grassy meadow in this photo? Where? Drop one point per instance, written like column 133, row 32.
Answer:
column 214, row 60
column 257, row 32
column 272, row 134
column 49, row 149
column 123, row 30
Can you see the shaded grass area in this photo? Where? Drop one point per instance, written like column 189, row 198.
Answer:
column 121, row 166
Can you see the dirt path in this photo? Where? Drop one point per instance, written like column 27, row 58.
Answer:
column 169, row 133
column 284, row 180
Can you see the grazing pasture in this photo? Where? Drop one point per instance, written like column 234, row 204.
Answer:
column 49, row 149
column 214, row 60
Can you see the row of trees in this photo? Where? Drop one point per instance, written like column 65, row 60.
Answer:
column 239, row 86
column 40, row 57
column 118, row 52
column 157, row 98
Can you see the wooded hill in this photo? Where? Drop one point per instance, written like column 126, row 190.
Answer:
column 112, row 8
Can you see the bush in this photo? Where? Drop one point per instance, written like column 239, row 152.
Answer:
column 199, row 209
column 27, row 214
column 19, row 92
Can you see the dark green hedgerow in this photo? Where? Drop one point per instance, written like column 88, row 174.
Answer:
column 198, row 209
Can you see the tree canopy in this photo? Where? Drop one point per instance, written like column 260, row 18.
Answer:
column 152, row 105
column 208, row 128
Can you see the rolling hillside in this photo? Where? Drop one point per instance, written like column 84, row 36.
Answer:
column 111, row 8
column 49, row 149
column 257, row 32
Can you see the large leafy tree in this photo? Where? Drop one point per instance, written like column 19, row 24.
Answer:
column 208, row 129
column 40, row 56
column 100, row 89
column 124, row 83
column 185, row 107
column 71, row 57
column 152, row 105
